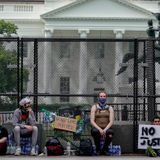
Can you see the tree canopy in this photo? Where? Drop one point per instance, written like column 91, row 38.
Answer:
column 7, row 28
column 8, row 56
column 8, row 76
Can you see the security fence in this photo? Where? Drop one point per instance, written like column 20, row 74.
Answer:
column 65, row 75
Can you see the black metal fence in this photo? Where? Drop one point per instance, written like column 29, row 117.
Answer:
column 61, row 75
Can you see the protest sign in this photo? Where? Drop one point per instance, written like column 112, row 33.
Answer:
column 149, row 135
column 67, row 124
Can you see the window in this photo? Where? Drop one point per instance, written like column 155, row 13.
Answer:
column 131, row 47
column 64, row 49
column 64, row 88
column 99, row 50
column 1, row 7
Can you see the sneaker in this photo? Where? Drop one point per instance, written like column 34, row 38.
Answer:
column 18, row 151
column 33, row 152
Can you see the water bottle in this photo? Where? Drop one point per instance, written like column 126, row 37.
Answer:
column 8, row 149
column 68, row 148
column 23, row 149
column 45, row 151
column 37, row 149
column 11, row 149
column 116, row 150
column 102, row 142
column 94, row 149
column 110, row 150
column 119, row 150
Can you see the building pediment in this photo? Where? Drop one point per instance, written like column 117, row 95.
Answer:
column 99, row 9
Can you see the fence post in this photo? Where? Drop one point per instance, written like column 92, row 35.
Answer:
column 150, row 57
column 35, row 83
column 135, row 98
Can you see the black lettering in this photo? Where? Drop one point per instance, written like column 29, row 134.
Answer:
column 152, row 131
column 144, row 131
column 155, row 141
column 148, row 131
column 149, row 142
column 144, row 140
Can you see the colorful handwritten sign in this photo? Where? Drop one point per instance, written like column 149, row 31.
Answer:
column 67, row 124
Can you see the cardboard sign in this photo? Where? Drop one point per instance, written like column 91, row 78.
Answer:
column 67, row 124
column 149, row 135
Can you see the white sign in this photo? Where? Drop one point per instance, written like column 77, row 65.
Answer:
column 149, row 135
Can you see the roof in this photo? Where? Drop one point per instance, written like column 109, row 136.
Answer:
column 63, row 12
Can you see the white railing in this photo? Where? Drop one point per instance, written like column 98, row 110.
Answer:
column 23, row 8
column 123, row 112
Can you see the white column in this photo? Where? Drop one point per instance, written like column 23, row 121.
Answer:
column 83, row 66
column 47, row 65
column 118, row 57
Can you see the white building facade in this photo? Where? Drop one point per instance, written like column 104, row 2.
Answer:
column 80, row 19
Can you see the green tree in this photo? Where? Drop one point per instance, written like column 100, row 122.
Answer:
column 8, row 76
column 7, row 28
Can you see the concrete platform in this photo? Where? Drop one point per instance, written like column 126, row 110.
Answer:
column 76, row 157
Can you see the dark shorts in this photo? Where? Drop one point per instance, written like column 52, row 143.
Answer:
column 25, row 132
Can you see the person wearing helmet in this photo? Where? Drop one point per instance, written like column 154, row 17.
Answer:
column 24, row 125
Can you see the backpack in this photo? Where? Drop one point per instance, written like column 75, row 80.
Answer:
column 86, row 147
column 54, row 147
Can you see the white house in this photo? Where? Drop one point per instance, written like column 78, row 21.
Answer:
column 75, row 73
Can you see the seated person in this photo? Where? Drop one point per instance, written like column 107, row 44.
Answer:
column 102, row 117
column 24, row 125
column 150, row 151
column 3, row 140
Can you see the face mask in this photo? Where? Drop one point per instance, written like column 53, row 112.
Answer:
column 102, row 100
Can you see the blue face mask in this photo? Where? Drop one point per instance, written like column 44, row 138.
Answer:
column 102, row 100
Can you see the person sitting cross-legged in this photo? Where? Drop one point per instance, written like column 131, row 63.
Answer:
column 24, row 125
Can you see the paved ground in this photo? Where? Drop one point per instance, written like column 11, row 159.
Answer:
column 76, row 158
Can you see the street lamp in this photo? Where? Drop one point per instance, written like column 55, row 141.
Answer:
column 99, row 78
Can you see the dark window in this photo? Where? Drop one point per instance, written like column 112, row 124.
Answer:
column 65, row 50
column 64, row 88
column 130, row 80
column 131, row 47
column 99, row 50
